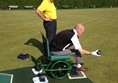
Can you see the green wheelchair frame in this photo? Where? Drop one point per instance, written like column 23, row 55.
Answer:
column 57, row 66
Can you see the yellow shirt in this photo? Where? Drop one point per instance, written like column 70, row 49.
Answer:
column 48, row 8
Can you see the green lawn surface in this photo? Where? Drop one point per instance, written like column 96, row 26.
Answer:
column 18, row 27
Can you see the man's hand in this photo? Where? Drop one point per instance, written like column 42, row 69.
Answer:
column 48, row 19
column 96, row 53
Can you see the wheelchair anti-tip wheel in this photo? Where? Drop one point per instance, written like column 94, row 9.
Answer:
column 60, row 69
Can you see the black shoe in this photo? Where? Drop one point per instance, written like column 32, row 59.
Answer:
column 23, row 56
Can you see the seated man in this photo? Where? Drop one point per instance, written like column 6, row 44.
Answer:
column 64, row 39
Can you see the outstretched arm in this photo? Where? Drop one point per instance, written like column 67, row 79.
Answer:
column 85, row 52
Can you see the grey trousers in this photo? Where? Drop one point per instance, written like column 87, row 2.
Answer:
column 72, row 52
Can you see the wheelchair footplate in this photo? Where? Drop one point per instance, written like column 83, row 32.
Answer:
column 76, row 74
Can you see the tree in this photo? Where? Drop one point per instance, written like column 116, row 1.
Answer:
column 60, row 3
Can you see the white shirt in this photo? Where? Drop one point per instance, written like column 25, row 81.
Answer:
column 75, row 40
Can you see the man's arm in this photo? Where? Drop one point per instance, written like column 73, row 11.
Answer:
column 78, row 46
column 94, row 53
column 40, row 14
column 85, row 52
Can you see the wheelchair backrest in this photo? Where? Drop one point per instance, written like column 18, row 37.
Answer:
column 45, row 46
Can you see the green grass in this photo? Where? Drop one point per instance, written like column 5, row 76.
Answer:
column 19, row 26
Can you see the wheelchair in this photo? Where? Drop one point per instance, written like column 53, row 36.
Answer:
column 56, row 66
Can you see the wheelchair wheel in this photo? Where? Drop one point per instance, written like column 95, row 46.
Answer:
column 60, row 69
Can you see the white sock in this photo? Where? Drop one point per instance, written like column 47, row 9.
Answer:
column 78, row 65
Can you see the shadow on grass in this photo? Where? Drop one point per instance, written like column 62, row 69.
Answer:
column 36, row 43
column 33, row 59
column 25, row 75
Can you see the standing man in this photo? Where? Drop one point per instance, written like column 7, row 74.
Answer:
column 47, row 12
column 64, row 39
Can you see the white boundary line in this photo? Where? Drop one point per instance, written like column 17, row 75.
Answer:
column 8, row 75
